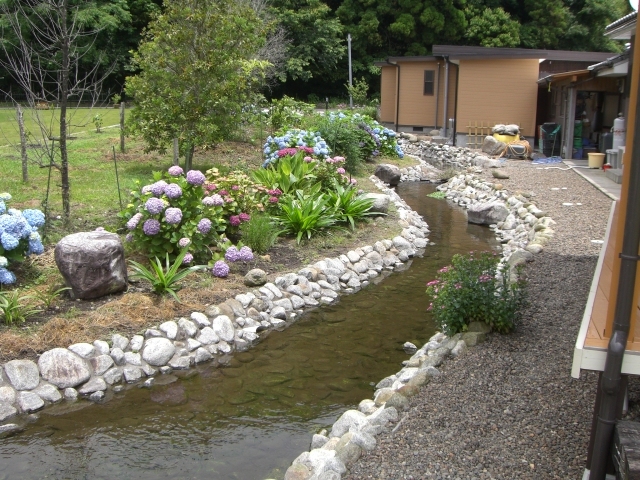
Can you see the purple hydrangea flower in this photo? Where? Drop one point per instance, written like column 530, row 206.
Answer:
column 232, row 254
column 173, row 191
column 220, row 269
column 246, row 255
column 341, row 170
column 133, row 221
column 244, row 217
column 204, row 226
column 183, row 242
column 175, row 171
column 151, row 227
column 146, row 189
column 214, row 200
column 195, row 177
column 173, row 215
column 235, row 187
column 129, row 237
column 154, row 205
column 188, row 258
column 234, row 220
column 158, row 188
column 273, row 199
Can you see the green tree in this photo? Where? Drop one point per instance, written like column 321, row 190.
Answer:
column 545, row 24
column 198, row 68
column 588, row 19
column 315, row 38
column 492, row 27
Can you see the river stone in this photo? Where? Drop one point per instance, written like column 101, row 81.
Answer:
column 118, row 356
column 7, row 394
column 398, row 401
column 500, row 174
column 132, row 374
column 180, row 363
column 459, row 349
column 85, row 350
column 310, row 273
column 487, row 213
column 200, row 319
column 22, row 374
column 97, row 396
column 188, row 327
column 236, row 307
column 63, row 368
column 70, row 394
column 202, row 355
column 347, row 451
column 323, row 460
column 208, row 336
column 118, row 341
column 112, row 376
column 133, row 358
column 284, row 303
column 364, row 440
column 409, row 390
column 382, row 416
column 388, row 174
column 317, row 441
column 136, row 343
column 101, row 347
column 6, row 411
column 192, row 344
column 350, row 418
column 473, row 338
column 380, row 202
column 170, row 329
column 223, row 328
column 94, row 385
column 29, row 402
column 212, row 311
column 158, row 351
column 48, row 393
column 492, row 146
column 255, row 278
column 298, row 471
column 92, row 263
column 478, row 327
column 419, row 379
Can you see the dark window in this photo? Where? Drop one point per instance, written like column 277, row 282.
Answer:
column 428, row 81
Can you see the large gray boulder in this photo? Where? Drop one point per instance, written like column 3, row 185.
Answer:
column 492, row 146
column 255, row 278
column 380, row 202
column 63, row 368
column 487, row 213
column 158, row 351
column 388, row 174
column 92, row 264
column 23, row 374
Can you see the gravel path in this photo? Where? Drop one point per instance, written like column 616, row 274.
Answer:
column 509, row 408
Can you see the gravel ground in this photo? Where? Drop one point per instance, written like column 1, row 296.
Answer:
column 509, row 408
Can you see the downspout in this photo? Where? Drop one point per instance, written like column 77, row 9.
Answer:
column 611, row 377
column 397, row 92
column 455, row 107
column 437, row 97
column 446, row 96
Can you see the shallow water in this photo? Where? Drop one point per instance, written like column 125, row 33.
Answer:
column 250, row 418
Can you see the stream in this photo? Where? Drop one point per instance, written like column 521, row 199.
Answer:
column 248, row 419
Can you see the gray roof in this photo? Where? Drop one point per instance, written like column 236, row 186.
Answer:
column 621, row 26
column 454, row 51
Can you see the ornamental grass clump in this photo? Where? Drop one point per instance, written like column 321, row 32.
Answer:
column 19, row 236
column 260, row 233
column 175, row 209
column 474, row 288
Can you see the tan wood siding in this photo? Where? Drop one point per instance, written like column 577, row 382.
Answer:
column 416, row 108
column 388, row 94
column 498, row 91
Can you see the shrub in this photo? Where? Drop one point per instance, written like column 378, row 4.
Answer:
column 288, row 112
column 174, row 212
column 19, row 236
column 259, row 233
column 294, row 138
column 471, row 289
column 358, row 91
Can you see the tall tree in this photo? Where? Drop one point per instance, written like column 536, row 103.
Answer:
column 492, row 27
column 198, row 67
column 49, row 52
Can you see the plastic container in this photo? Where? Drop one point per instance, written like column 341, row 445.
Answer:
column 506, row 138
column 619, row 132
column 596, row 160
column 612, row 158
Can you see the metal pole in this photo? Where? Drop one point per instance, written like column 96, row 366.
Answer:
column 115, row 163
column 122, row 106
column 350, row 75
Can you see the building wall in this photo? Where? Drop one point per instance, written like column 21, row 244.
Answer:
column 498, row 91
column 416, row 109
column 388, row 95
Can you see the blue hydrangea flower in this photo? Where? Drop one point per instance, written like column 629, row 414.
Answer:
column 151, row 227
column 220, row 269
column 3, row 261
column 8, row 241
column 204, row 226
column 195, row 177
column 173, row 191
column 173, row 215
column 154, row 205
column 3, row 207
column 35, row 247
column 232, row 254
column 5, row 197
column 6, row 277
column 34, row 217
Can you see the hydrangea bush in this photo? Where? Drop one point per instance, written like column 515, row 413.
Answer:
column 474, row 288
column 174, row 212
column 19, row 236
column 295, row 138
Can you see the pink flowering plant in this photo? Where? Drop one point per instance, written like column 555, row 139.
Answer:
column 174, row 212
column 475, row 288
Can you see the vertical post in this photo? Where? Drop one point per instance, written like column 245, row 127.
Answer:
column 176, row 152
column 23, row 145
column 115, row 163
column 122, row 127
column 350, row 75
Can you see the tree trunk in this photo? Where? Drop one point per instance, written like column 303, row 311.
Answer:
column 64, row 93
column 23, row 145
column 176, row 152
column 188, row 157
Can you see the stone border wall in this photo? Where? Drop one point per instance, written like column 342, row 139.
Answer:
column 90, row 371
